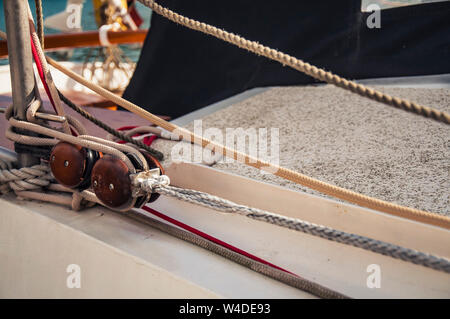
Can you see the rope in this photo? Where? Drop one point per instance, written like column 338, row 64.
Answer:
column 267, row 270
column 36, row 177
column 157, row 154
column 293, row 176
column 40, row 21
column 299, row 65
column 106, row 147
column 4, row 165
column 161, row 186
column 298, row 225
column 332, row 190
column 148, row 134
column 25, row 178
column 28, row 182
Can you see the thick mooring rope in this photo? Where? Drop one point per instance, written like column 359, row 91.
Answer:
column 161, row 185
column 298, row 64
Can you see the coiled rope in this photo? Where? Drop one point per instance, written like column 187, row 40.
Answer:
column 298, row 64
column 326, row 188
column 161, row 186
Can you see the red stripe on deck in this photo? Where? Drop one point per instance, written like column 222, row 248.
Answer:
column 212, row 239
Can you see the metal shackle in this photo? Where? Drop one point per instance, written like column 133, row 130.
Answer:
column 111, row 181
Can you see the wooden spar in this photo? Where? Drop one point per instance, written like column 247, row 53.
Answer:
column 83, row 39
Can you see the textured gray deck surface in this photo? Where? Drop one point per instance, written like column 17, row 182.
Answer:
column 349, row 141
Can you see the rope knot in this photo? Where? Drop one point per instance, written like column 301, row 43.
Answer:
column 149, row 181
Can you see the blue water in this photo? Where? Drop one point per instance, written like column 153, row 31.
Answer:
column 51, row 7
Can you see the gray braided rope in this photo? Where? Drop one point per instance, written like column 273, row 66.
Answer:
column 161, row 185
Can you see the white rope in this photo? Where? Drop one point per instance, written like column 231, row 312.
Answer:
column 103, row 33
column 26, row 178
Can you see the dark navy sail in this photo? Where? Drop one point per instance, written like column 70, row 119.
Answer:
column 181, row 70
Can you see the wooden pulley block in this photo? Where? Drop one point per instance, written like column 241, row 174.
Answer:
column 71, row 164
column 111, row 181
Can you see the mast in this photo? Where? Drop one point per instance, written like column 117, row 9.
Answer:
column 21, row 67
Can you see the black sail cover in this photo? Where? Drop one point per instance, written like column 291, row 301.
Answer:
column 181, row 70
